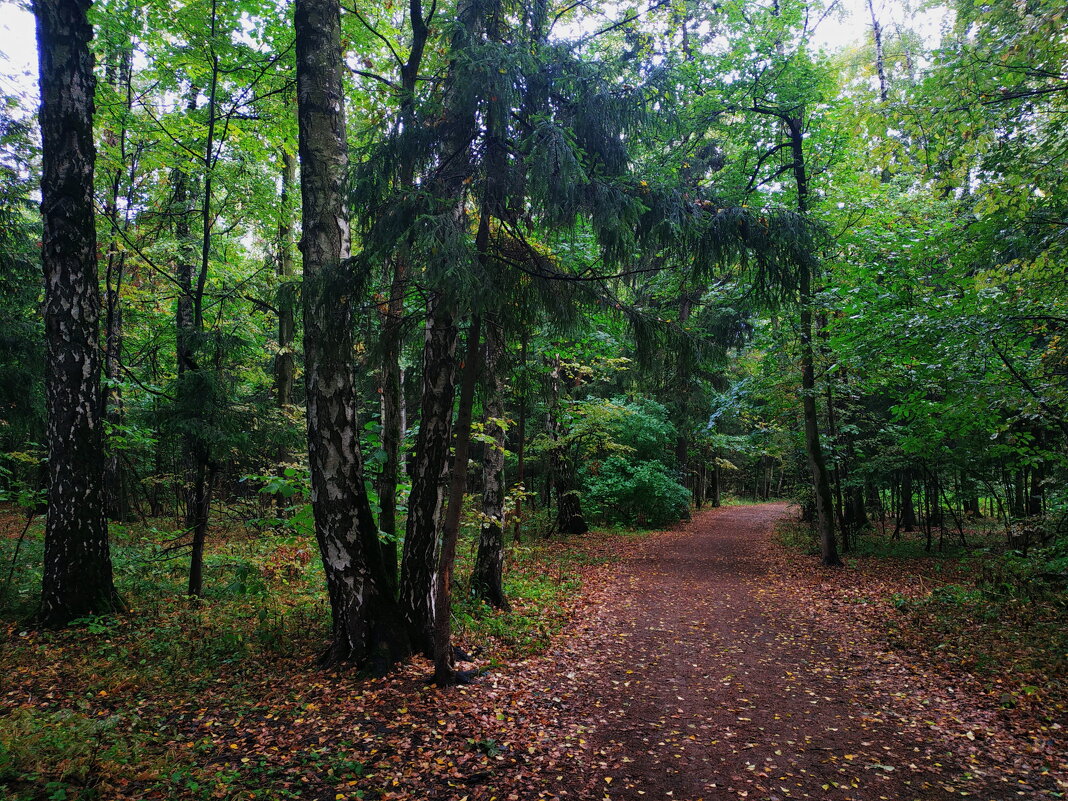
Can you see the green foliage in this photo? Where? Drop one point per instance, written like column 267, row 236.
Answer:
column 642, row 493
column 63, row 755
column 21, row 287
column 622, row 446
column 625, row 205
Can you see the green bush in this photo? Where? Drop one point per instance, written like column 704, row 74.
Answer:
column 643, row 493
column 625, row 447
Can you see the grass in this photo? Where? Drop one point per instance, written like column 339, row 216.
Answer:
column 67, row 754
column 542, row 575
column 794, row 535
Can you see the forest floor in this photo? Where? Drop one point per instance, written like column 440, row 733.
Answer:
column 706, row 662
column 721, row 668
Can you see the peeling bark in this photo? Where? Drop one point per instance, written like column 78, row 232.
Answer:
column 419, row 563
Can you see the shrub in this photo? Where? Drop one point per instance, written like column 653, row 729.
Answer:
column 644, row 493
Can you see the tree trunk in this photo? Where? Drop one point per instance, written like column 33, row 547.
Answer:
column 285, row 363
column 683, row 382
column 569, row 518
column 392, row 411
column 444, row 673
column 713, row 487
column 843, row 513
column 194, row 466
column 699, row 483
column 392, row 312
column 421, row 587
column 814, row 450
column 486, row 579
column 197, row 515
column 77, row 563
column 419, row 560
column 203, row 469
column 970, row 500
column 880, row 70
column 1036, row 497
column 908, row 505
column 118, row 74
column 817, row 466
column 367, row 628
column 521, row 436
column 184, row 201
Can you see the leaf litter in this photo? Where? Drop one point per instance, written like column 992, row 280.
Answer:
column 706, row 662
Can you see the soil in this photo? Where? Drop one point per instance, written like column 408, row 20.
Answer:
column 705, row 677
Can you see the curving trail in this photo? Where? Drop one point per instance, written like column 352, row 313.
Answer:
column 704, row 680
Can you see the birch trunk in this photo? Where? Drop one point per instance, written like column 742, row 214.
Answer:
column 77, row 563
column 419, row 562
column 367, row 628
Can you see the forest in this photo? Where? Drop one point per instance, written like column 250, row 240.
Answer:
column 368, row 370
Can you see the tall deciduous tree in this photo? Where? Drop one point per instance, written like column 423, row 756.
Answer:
column 367, row 626
column 77, row 572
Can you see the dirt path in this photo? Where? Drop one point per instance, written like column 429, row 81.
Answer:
column 704, row 681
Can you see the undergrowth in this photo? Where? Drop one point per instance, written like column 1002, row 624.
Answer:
column 1004, row 614
column 68, row 754
column 264, row 613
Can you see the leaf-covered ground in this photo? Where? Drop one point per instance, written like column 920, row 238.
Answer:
column 728, row 667
column 702, row 663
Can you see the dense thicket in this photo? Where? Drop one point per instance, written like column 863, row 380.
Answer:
column 556, row 270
